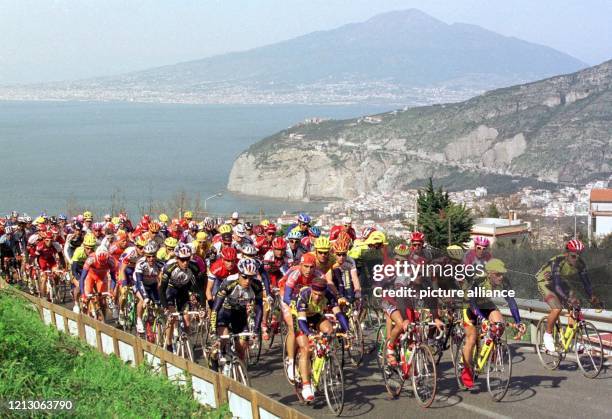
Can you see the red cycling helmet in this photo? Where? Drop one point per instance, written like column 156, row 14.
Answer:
column 279, row 243
column 417, row 236
column 271, row 228
column 258, row 230
column 48, row 235
column 574, row 246
column 229, row 253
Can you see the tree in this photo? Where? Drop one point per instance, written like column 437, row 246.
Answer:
column 492, row 211
column 438, row 216
column 605, row 242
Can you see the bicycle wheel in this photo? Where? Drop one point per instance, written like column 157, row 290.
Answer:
column 333, row 385
column 424, row 376
column 549, row 360
column 393, row 376
column 238, row 372
column 254, row 350
column 499, row 371
column 589, row 350
column 187, row 349
column 380, row 345
column 455, row 340
column 356, row 342
column 459, row 363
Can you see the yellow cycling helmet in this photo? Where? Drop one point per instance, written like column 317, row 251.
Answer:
column 201, row 236
column 225, row 228
column 171, row 242
column 265, row 223
column 402, row 249
column 115, row 220
column 376, row 237
column 188, row 215
column 322, row 243
column 455, row 252
column 89, row 240
column 39, row 220
column 141, row 242
column 163, row 218
column 87, row 215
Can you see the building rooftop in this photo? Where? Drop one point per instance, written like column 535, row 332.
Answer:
column 601, row 195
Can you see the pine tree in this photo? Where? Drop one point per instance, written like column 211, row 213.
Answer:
column 437, row 213
column 492, row 211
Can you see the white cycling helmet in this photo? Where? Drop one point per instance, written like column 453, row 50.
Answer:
column 249, row 250
column 247, row 267
column 240, row 230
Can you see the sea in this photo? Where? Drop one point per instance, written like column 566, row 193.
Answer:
column 63, row 156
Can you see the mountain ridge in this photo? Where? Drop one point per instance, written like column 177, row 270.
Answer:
column 403, row 57
column 555, row 130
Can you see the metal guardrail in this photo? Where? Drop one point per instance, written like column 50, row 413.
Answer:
column 209, row 387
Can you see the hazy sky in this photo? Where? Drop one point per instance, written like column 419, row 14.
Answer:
column 44, row 40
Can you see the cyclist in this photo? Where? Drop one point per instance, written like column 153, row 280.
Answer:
column 302, row 225
column 307, row 242
column 343, row 274
column 277, row 260
column 324, row 260
column 264, row 242
column 296, row 278
column 147, row 273
column 127, row 264
column 479, row 254
column 376, row 240
column 554, row 279
column 312, row 303
column 95, row 271
column 235, row 219
column 167, row 252
column 295, row 246
column 73, row 241
column 9, row 246
column 48, row 253
column 241, row 238
column 346, row 226
column 483, row 308
column 230, row 308
column 77, row 262
column 180, row 277
column 219, row 270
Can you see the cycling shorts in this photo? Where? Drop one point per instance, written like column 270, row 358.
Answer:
column 313, row 323
column 177, row 297
column 152, row 292
column 128, row 280
column 470, row 318
column 549, row 296
column 235, row 320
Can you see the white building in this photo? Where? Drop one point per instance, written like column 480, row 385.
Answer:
column 600, row 213
column 510, row 231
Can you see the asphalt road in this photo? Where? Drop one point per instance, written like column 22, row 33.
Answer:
column 534, row 391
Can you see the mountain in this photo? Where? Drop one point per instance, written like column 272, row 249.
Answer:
column 404, row 57
column 554, row 130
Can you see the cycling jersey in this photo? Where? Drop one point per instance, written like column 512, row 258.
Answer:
column 311, row 314
column 231, row 302
column 94, row 274
column 324, row 266
column 46, row 255
column 177, row 283
column 342, row 278
column 555, row 276
column 146, row 275
column 335, row 231
column 293, row 281
column 77, row 261
column 219, row 272
column 276, row 267
column 481, row 302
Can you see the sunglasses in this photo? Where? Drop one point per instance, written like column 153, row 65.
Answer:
column 304, row 224
column 573, row 255
column 247, row 277
column 89, row 248
column 416, row 245
column 140, row 247
column 340, row 255
column 322, row 253
column 150, row 256
column 480, row 248
column 183, row 259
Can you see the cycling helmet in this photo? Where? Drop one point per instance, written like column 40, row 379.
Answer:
column 107, row 217
column 183, row 252
column 145, row 218
column 249, row 250
column 342, row 245
column 225, row 228
column 402, row 249
column 163, row 218
column 193, row 226
column 171, row 242
column 102, row 255
column 188, row 215
column 154, row 227
column 201, row 236
column 294, row 235
column 322, row 244
column 27, row 219
column 52, row 219
column 220, row 221
column 229, row 253
column 20, row 220
column 417, row 236
column 258, row 230
column 208, row 223
column 574, row 246
column 141, row 242
column 80, row 218
column 240, row 230
column 314, row 231
column 481, row 241
column 455, row 252
column 264, row 223
column 347, row 220
column 62, row 217
column 150, row 248
column 14, row 214
column 88, row 216
column 89, row 240
column 377, row 237
column 248, row 225
column 279, row 243
column 235, row 215
column 247, row 267
column 496, row 265
column 109, row 228
column 304, row 218
column 271, row 228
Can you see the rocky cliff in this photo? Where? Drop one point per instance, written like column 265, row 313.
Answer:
column 558, row 129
